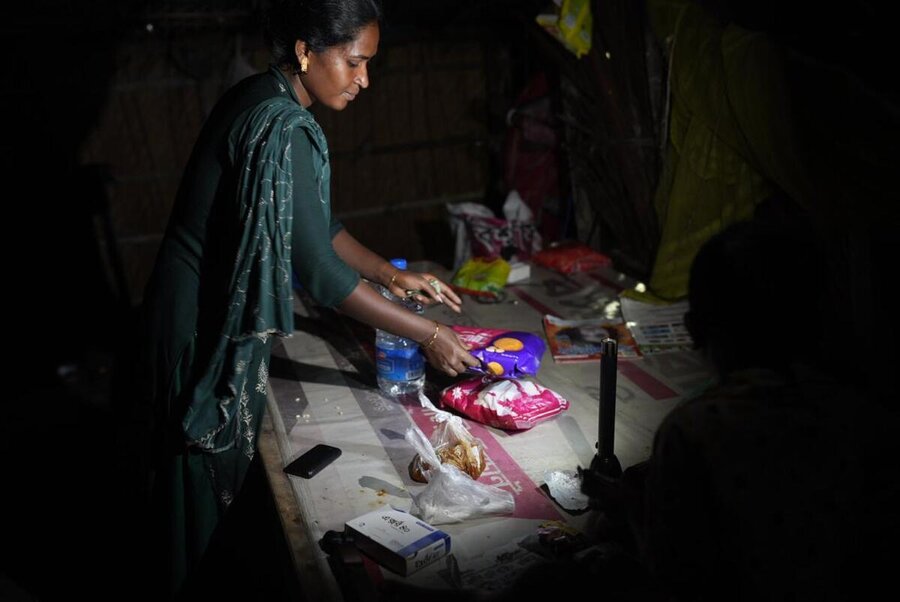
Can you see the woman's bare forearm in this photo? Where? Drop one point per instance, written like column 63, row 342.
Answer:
column 442, row 347
column 367, row 306
column 367, row 263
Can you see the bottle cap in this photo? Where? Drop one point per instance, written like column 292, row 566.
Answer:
column 399, row 263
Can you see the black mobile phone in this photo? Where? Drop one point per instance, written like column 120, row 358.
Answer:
column 311, row 462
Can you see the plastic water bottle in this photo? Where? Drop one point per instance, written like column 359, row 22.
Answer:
column 400, row 365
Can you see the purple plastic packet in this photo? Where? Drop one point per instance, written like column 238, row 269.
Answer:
column 508, row 353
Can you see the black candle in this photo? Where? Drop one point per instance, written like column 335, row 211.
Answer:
column 605, row 465
column 608, row 360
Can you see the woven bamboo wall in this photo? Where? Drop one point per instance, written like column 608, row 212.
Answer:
column 611, row 107
column 414, row 140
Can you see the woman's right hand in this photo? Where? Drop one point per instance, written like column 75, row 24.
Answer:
column 447, row 353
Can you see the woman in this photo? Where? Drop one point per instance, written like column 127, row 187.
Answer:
column 253, row 205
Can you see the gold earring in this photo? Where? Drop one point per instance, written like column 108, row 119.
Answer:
column 304, row 64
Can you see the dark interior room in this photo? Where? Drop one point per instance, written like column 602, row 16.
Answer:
column 641, row 134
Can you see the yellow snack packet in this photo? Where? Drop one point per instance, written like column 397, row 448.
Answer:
column 482, row 277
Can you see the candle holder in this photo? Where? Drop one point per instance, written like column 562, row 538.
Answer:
column 605, row 470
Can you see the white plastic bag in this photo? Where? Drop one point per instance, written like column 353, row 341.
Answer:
column 451, row 495
column 458, row 212
column 453, row 444
column 516, row 211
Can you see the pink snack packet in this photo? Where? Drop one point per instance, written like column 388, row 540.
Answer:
column 506, row 403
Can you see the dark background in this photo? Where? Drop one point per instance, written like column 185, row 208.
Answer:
column 102, row 102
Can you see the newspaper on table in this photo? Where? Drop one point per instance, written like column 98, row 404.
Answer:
column 657, row 328
column 581, row 340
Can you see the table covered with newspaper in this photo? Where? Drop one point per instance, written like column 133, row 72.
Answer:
column 323, row 390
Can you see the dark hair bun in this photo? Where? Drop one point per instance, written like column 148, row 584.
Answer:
column 320, row 23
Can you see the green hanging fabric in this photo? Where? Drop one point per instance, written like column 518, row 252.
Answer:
column 731, row 137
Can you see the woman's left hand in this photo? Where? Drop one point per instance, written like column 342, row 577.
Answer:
column 425, row 288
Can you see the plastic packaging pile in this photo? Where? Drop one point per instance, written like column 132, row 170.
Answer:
column 501, row 396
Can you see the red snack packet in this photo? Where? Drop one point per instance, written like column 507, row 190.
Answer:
column 569, row 257
column 505, row 403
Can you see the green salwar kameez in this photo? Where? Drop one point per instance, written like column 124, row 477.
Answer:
column 252, row 206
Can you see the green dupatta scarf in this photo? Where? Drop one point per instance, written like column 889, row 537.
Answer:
column 221, row 415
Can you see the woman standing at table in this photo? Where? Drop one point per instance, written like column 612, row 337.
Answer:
column 253, row 205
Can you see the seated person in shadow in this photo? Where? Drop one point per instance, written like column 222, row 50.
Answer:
column 773, row 484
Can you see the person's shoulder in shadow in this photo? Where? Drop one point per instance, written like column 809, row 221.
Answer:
column 765, row 309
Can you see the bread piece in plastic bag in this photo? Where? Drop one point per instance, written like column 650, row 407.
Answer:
column 454, row 445
column 451, row 495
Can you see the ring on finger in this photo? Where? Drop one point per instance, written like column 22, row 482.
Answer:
column 435, row 285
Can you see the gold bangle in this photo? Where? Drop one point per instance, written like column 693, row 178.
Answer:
column 437, row 329
column 391, row 281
